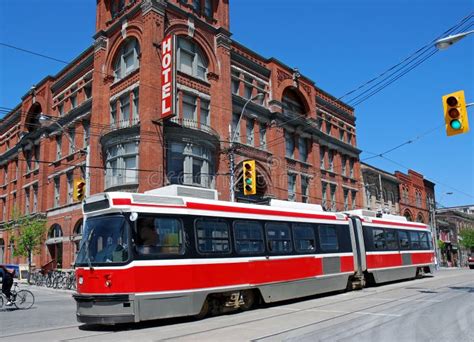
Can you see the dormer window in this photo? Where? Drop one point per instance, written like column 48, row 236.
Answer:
column 208, row 8
column 116, row 7
column 127, row 59
column 197, row 6
column 191, row 60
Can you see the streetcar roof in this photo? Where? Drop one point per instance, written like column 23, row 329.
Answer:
column 148, row 202
column 373, row 218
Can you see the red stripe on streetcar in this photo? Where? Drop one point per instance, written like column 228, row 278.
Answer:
column 230, row 209
column 422, row 258
column 384, row 260
column 191, row 277
column 226, row 208
column 347, row 263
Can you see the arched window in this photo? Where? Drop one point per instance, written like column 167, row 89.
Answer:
column 292, row 103
column 190, row 164
column 127, row 59
column 191, row 59
column 55, row 231
column 407, row 214
column 121, row 163
column 420, row 218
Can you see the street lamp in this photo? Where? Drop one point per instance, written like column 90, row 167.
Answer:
column 446, row 42
column 44, row 119
column 231, row 148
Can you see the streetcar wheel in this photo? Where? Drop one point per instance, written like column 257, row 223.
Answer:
column 248, row 297
column 204, row 310
column 24, row 299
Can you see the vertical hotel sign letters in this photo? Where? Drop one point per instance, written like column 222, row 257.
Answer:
column 168, row 77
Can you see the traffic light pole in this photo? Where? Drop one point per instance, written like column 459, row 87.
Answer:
column 232, row 170
column 232, row 148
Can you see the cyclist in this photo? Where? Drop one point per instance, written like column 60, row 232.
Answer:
column 7, row 283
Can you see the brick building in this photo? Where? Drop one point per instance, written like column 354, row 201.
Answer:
column 450, row 221
column 381, row 190
column 105, row 123
column 417, row 197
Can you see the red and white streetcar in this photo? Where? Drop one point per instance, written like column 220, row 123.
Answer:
column 178, row 251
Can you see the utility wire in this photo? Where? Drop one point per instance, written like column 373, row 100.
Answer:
column 268, row 144
column 397, row 67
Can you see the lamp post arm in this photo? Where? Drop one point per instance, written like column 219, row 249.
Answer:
column 240, row 117
column 67, row 135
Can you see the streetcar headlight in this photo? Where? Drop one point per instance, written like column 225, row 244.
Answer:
column 108, row 283
column 81, row 280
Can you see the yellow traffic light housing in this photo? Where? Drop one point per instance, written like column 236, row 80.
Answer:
column 79, row 192
column 455, row 113
column 250, row 177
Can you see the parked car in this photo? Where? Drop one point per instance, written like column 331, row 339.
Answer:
column 470, row 261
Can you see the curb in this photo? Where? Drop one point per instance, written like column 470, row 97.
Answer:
column 48, row 289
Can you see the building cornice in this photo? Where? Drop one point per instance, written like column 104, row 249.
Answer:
column 234, row 56
column 334, row 109
column 75, row 71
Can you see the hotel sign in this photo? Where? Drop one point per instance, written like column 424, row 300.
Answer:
column 168, row 77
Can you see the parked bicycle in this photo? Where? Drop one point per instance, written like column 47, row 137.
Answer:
column 56, row 279
column 22, row 299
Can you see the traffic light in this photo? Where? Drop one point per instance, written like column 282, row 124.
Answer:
column 250, row 177
column 455, row 113
column 79, row 192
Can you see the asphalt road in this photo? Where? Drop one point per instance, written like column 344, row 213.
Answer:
column 439, row 308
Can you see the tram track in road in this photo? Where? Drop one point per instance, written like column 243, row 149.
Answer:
column 196, row 333
column 169, row 329
column 355, row 312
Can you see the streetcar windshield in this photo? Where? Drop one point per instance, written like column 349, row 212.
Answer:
column 105, row 240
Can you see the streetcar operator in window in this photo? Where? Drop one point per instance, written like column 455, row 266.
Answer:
column 147, row 235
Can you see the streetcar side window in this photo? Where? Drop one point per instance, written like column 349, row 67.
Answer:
column 403, row 239
column 378, row 239
column 328, row 238
column 415, row 240
column 424, row 243
column 159, row 236
column 248, row 237
column 303, row 237
column 213, row 236
column 278, row 237
column 391, row 239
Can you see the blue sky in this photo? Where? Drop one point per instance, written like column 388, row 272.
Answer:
column 339, row 44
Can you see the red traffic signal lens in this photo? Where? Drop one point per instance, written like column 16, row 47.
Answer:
column 452, row 101
column 247, row 166
column 453, row 113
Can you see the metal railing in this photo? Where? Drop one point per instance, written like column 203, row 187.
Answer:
column 196, row 125
column 120, row 125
